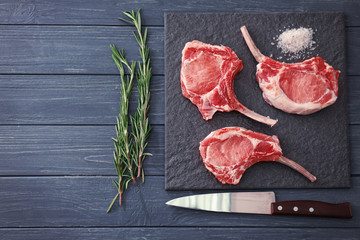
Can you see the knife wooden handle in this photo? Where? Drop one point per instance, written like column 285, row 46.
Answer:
column 311, row 208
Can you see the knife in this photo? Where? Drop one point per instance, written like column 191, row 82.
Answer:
column 261, row 203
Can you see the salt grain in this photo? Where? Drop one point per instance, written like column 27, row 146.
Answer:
column 295, row 40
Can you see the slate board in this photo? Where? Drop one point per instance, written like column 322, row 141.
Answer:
column 319, row 141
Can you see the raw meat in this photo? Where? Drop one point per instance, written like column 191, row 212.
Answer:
column 228, row 152
column 301, row 88
column 207, row 75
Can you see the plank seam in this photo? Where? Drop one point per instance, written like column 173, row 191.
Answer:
column 108, row 176
column 175, row 226
column 71, row 74
column 79, row 25
column 94, row 74
column 70, row 176
column 67, row 125
column 103, row 25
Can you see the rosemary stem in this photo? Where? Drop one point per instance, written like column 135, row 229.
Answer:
column 120, row 190
column 120, row 197
column 112, row 203
column 139, row 162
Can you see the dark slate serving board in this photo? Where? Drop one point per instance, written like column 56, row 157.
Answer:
column 319, row 142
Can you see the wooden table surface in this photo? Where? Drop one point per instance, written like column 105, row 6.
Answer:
column 59, row 95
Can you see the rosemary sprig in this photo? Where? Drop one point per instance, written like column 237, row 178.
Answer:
column 123, row 159
column 129, row 152
column 122, row 120
column 139, row 122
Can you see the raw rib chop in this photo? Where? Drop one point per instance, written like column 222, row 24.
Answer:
column 302, row 88
column 207, row 75
column 228, row 152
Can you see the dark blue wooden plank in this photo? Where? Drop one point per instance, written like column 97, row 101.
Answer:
column 82, row 201
column 69, row 99
column 72, row 49
column 106, row 11
column 87, row 150
column 353, row 93
column 160, row 233
column 353, row 50
column 68, row 150
column 85, row 49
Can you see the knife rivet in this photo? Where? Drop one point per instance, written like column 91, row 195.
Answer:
column 295, row 209
column 311, row 209
column 279, row 208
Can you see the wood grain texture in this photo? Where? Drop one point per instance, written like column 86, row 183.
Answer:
column 68, row 150
column 353, row 91
column 72, row 49
column 70, row 99
column 352, row 38
column 87, row 150
column 105, row 12
column 82, row 201
column 160, row 233
column 85, row 49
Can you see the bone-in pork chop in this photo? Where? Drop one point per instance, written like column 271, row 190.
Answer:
column 301, row 88
column 207, row 76
column 228, row 152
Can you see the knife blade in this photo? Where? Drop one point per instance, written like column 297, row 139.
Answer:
column 261, row 203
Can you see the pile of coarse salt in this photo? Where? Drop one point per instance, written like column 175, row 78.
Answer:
column 294, row 42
